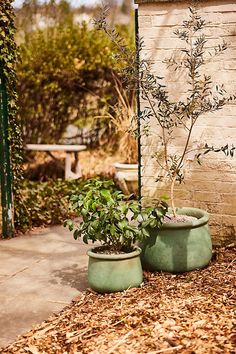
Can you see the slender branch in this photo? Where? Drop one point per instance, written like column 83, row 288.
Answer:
column 192, row 69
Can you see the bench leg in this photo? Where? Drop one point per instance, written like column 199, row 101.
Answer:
column 68, row 167
column 77, row 166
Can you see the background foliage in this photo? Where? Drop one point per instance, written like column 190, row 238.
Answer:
column 66, row 75
column 47, row 203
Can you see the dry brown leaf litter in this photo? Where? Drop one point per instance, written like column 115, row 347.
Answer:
column 190, row 313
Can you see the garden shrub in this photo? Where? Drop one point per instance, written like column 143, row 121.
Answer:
column 47, row 203
column 65, row 76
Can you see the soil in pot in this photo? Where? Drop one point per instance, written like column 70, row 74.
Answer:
column 171, row 219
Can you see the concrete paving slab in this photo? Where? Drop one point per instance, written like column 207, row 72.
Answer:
column 40, row 273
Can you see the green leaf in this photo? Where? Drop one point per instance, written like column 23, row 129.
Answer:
column 76, row 234
column 69, row 224
column 106, row 195
column 85, row 238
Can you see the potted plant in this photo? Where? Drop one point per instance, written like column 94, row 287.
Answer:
column 123, row 118
column 183, row 243
column 114, row 264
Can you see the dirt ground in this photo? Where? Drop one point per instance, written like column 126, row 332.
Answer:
column 193, row 312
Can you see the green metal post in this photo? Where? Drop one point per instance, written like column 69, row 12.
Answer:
column 5, row 166
column 138, row 109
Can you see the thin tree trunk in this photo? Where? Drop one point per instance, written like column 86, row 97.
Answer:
column 172, row 195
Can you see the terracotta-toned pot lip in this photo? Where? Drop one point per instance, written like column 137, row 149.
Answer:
column 202, row 215
column 130, row 166
column 132, row 254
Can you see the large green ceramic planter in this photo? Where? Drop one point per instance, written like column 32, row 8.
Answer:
column 111, row 273
column 179, row 247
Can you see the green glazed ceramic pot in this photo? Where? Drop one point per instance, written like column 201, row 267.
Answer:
column 110, row 273
column 179, row 247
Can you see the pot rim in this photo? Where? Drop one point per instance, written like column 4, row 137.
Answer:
column 131, row 254
column 202, row 219
column 130, row 166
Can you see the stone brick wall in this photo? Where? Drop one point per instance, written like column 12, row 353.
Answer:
column 211, row 186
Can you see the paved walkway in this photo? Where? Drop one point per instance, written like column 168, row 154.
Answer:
column 40, row 273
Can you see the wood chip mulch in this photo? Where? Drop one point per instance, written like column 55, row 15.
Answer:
column 189, row 313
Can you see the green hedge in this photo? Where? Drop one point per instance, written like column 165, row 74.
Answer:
column 65, row 76
column 47, row 203
column 8, row 59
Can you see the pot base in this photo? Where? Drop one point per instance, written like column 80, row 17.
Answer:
column 112, row 273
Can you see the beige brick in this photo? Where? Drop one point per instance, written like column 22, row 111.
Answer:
column 223, row 76
column 164, row 43
column 229, row 198
column 207, row 197
column 156, row 55
column 163, row 9
column 163, row 32
column 229, row 65
column 183, row 195
column 208, row 186
column 215, row 219
column 221, row 121
column 211, row 208
column 150, row 170
column 147, row 9
column 147, row 160
column 148, row 181
column 219, row 31
column 228, row 17
column 217, row 6
column 212, row 176
column 225, row 187
column 168, row 20
column 145, row 21
column 154, row 13
column 212, row 18
column 227, row 209
column 229, row 219
column 212, row 162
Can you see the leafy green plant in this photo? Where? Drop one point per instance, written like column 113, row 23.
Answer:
column 170, row 116
column 9, row 56
column 108, row 218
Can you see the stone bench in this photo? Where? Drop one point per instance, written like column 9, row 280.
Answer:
column 69, row 150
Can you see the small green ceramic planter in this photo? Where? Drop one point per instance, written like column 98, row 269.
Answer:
column 179, row 247
column 110, row 273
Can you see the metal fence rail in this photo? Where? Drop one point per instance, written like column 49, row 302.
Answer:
column 5, row 166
